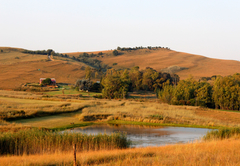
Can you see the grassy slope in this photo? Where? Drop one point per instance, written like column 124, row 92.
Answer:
column 198, row 66
column 14, row 72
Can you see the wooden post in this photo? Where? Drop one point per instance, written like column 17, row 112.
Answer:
column 74, row 155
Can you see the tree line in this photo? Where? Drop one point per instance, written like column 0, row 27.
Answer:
column 83, row 57
column 220, row 93
column 45, row 52
column 117, row 83
column 141, row 47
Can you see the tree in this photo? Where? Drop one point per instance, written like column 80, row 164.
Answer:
column 226, row 91
column 53, row 53
column 166, row 94
column 204, row 95
column 96, row 74
column 136, row 78
column 115, row 84
column 49, row 51
column 47, row 81
column 88, row 73
column 115, row 52
column 83, row 84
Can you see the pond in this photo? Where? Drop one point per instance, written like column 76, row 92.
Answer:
column 142, row 136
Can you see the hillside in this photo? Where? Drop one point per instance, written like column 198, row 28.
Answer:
column 17, row 68
column 195, row 65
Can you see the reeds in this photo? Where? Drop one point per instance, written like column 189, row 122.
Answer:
column 222, row 133
column 35, row 141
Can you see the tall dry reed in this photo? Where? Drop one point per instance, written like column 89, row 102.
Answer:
column 35, row 141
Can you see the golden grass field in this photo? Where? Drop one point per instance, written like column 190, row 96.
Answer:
column 15, row 72
column 216, row 152
column 68, row 110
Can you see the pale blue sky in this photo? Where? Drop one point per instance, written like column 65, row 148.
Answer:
column 204, row 27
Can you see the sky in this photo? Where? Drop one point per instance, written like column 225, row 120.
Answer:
column 204, row 27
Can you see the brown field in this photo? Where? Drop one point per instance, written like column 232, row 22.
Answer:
column 218, row 152
column 14, row 72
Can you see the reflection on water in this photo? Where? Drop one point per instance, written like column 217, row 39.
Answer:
column 142, row 136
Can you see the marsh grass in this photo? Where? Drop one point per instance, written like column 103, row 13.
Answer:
column 153, row 112
column 35, row 141
column 222, row 133
column 217, row 152
column 16, row 108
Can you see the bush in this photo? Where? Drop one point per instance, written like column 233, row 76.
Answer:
column 96, row 87
column 115, row 52
column 47, row 81
column 98, row 96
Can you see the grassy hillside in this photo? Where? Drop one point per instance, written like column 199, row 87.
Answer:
column 17, row 68
column 163, row 59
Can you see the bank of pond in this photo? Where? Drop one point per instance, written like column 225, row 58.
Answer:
column 102, row 137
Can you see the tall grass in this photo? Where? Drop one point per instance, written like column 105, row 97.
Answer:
column 217, row 152
column 35, row 141
column 222, row 133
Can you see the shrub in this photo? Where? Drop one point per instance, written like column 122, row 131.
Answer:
column 98, row 96
column 115, row 52
column 47, row 81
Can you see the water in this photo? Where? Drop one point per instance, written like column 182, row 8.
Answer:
column 143, row 136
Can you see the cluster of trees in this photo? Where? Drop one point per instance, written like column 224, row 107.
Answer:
column 137, row 48
column 116, row 84
column 40, row 52
column 86, row 55
column 87, row 84
column 222, row 93
column 45, row 52
column 208, row 78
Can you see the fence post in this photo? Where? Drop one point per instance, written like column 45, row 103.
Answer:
column 74, row 155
